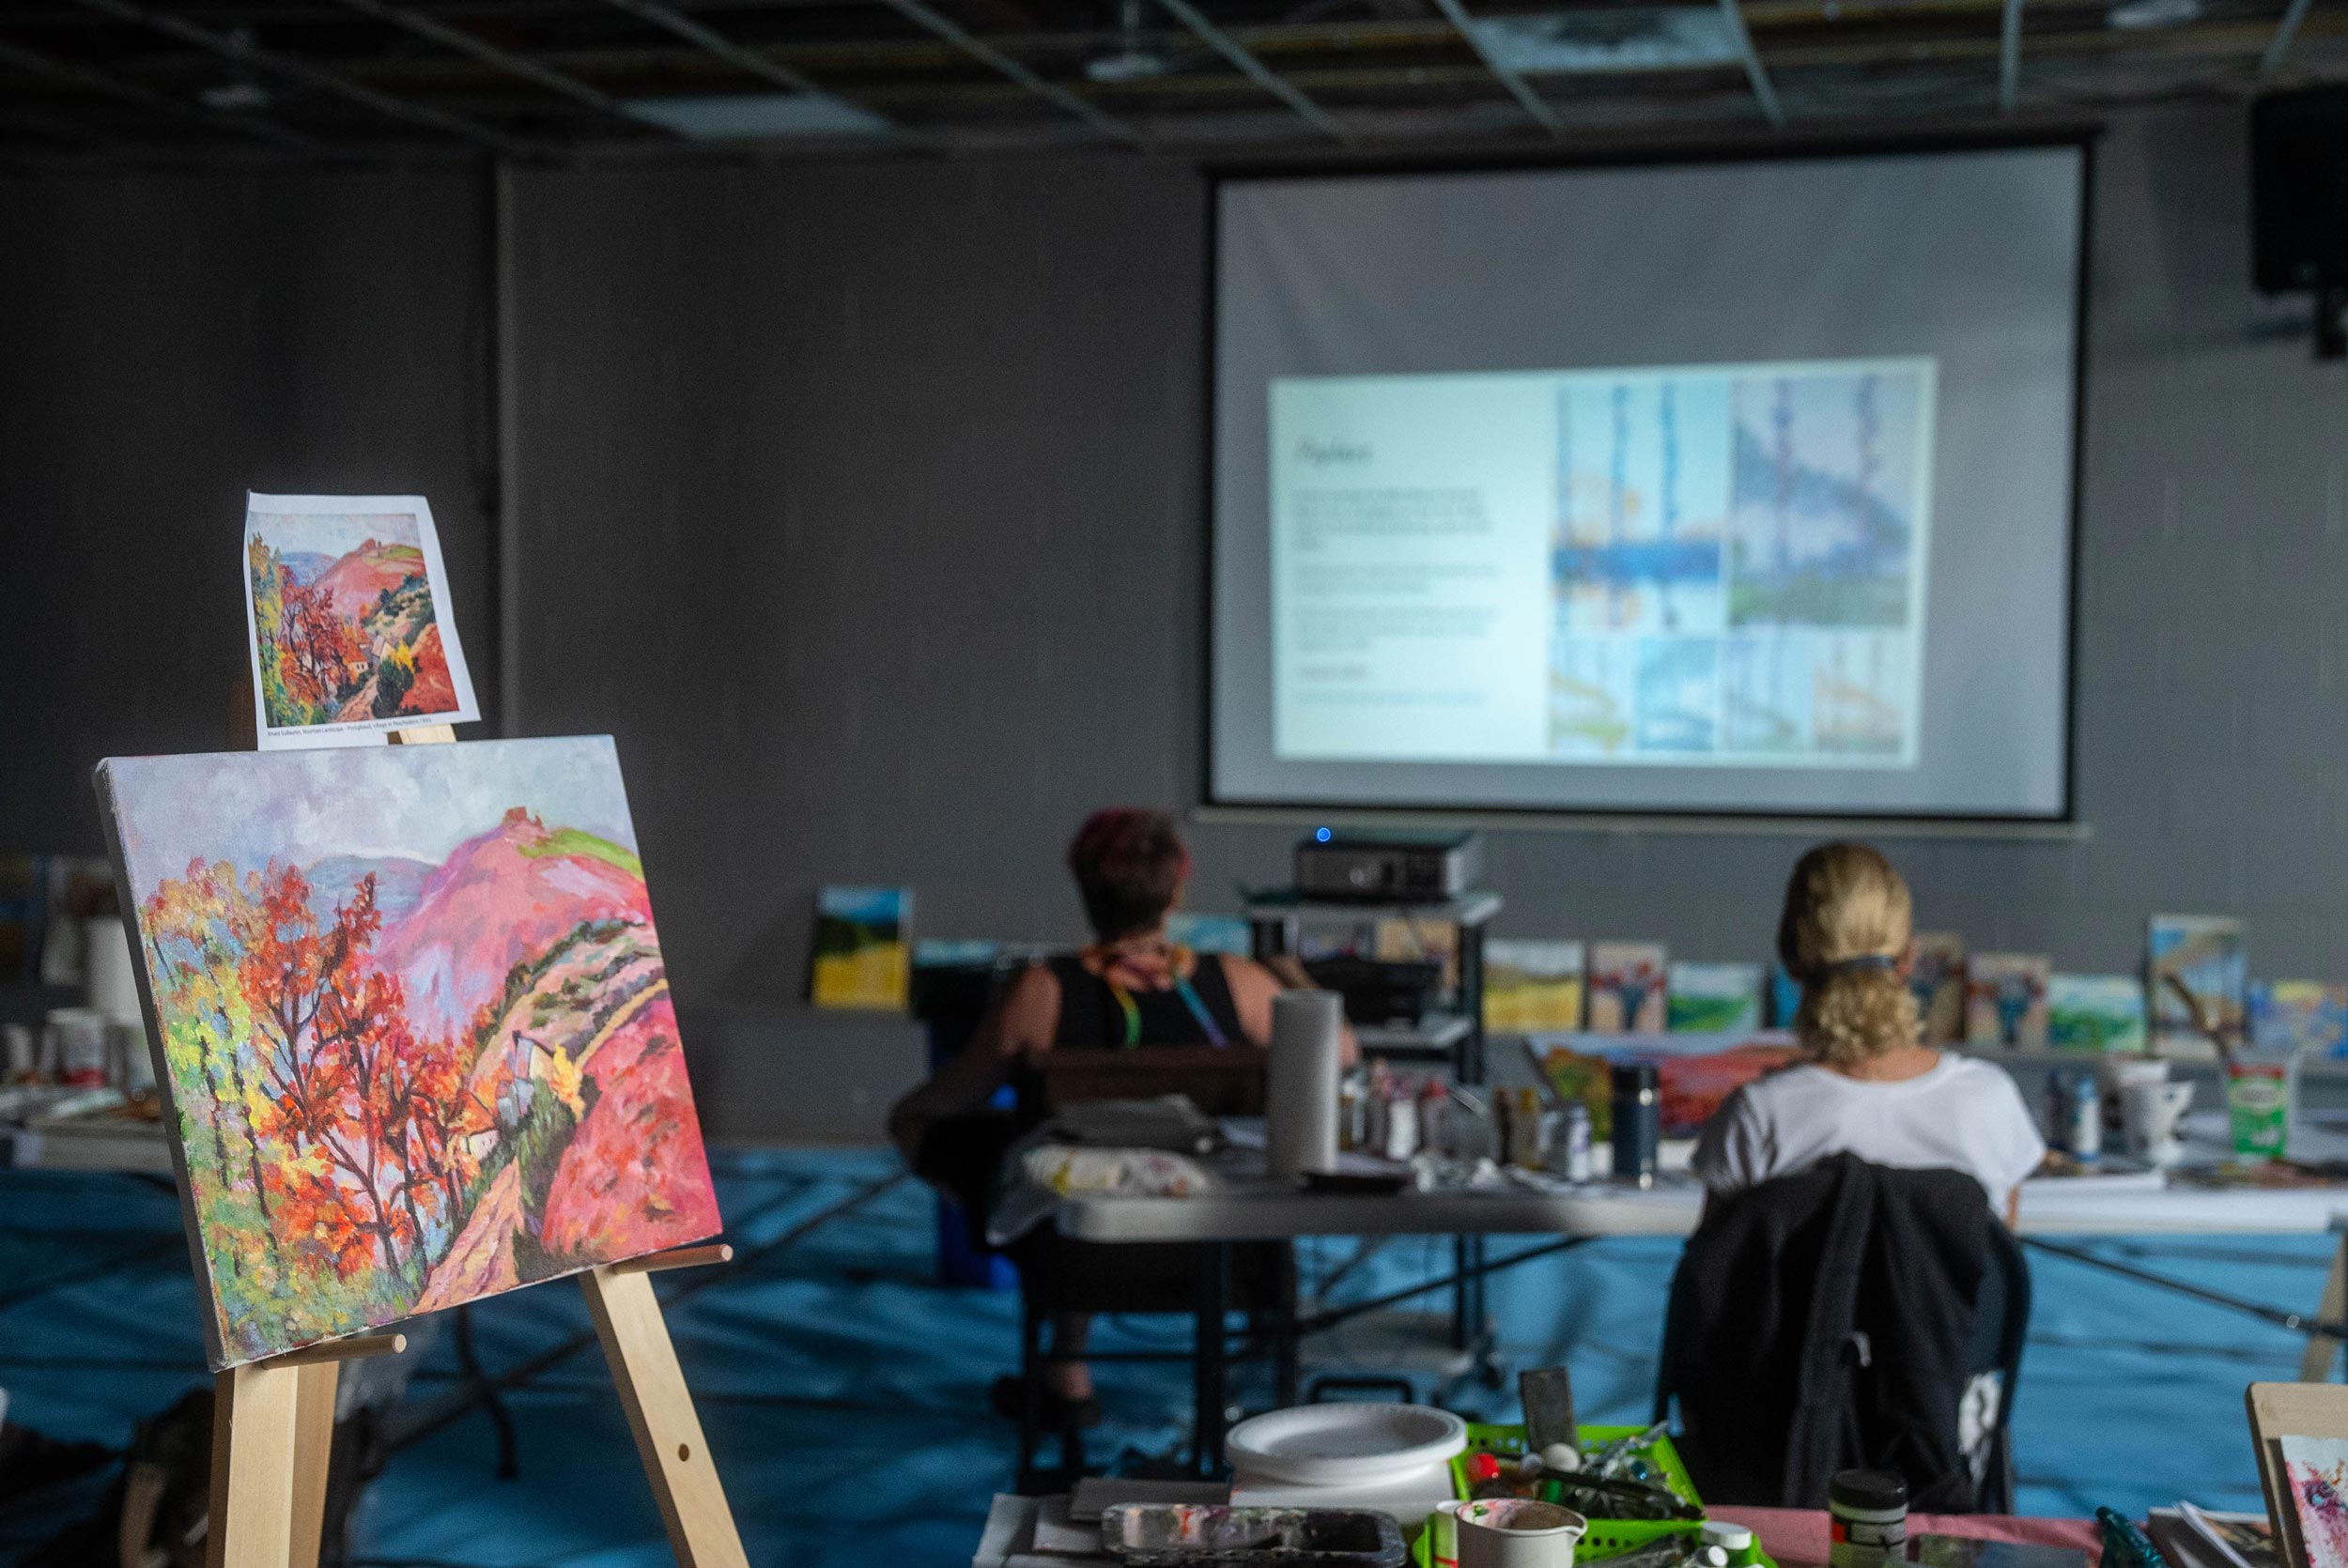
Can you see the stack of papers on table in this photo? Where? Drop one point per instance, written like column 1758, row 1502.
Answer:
column 2191, row 1537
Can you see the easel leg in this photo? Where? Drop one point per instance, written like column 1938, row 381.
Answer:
column 660, row 1413
column 254, row 1421
column 314, row 1451
column 2322, row 1352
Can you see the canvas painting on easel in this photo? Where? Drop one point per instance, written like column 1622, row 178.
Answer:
column 346, row 613
column 412, row 1014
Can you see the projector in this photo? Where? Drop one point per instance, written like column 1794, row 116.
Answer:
column 1388, row 867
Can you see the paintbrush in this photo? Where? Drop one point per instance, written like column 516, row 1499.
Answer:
column 2201, row 1017
column 1655, row 1500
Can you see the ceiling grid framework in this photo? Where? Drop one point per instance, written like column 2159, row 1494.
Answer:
column 535, row 80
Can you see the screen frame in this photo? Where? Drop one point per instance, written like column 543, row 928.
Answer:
column 2083, row 139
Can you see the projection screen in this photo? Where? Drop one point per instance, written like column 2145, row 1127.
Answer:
column 1710, row 488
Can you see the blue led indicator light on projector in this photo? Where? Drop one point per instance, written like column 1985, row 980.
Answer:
column 1322, row 834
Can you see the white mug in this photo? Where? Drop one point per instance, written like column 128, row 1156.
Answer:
column 2120, row 1072
column 2150, row 1115
column 1518, row 1532
column 77, row 1046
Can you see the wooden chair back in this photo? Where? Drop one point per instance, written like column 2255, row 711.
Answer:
column 1229, row 1081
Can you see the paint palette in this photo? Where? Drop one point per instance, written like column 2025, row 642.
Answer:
column 1189, row 1535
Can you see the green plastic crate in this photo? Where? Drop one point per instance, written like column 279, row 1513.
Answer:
column 1606, row 1537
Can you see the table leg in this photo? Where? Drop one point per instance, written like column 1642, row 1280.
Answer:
column 478, row 1382
column 1284, row 1338
column 1467, row 1291
column 2322, row 1352
column 1207, row 1378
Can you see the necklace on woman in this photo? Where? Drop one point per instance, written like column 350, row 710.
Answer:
column 1143, row 963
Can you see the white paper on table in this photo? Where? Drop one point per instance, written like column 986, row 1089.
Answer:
column 339, row 548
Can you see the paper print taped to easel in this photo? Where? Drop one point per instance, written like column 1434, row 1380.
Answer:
column 413, row 1017
column 2316, row 1470
column 347, row 610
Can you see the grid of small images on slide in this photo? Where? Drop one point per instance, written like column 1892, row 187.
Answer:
column 1738, row 563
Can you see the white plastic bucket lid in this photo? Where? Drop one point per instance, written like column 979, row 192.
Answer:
column 1344, row 1445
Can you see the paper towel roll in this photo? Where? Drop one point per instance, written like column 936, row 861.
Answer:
column 1301, row 1098
column 114, row 990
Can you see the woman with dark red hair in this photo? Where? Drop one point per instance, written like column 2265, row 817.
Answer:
column 1132, row 987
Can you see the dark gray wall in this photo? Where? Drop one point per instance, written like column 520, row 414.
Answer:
column 166, row 343
column 864, row 505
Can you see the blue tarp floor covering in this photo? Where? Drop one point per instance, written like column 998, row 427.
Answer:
column 844, row 1394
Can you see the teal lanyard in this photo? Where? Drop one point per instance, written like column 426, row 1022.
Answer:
column 1191, row 999
column 1189, row 993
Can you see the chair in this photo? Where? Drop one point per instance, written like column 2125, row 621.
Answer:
column 2001, row 1325
column 1057, row 1275
column 950, row 1000
column 1850, row 1315
column 1220, row 1082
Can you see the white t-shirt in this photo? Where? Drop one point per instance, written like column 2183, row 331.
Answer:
column 1963, row 1115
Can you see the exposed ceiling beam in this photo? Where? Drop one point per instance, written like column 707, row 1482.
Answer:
column 1509, row 76
column 545, row 76
column 1756, row 73
column 733, row 54
column 246, row 52
column 34, row 63
column 979, row 49
column 1256, row 71
column 2009, row 57
column 2271, row 62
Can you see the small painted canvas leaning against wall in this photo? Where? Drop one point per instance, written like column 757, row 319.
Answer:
column 348, row 613
column 409, row 1004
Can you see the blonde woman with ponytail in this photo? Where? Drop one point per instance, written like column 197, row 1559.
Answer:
column 1870, row 1087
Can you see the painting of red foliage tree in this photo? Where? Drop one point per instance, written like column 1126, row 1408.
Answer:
column 348, row 626
column 415, row 1024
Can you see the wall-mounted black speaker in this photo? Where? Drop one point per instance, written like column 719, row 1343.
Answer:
column 2299, row 190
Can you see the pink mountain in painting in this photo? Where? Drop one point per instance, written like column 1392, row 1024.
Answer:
column 500, row 900
column 359, row 579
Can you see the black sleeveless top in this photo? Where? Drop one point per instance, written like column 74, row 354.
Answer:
column 1091, row 1019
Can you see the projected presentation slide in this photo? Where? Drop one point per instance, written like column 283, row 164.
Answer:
column 1703, row 565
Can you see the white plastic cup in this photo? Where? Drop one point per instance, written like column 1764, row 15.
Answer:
column 17, row 1058
column 113, row 984
column 136, row 1073
column 1443, row 1533
column 1518, row 1532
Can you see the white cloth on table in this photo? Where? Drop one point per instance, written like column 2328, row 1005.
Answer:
column 1038, row 1174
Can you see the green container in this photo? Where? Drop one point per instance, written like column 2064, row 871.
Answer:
column 1607, row 1537
column 2258, row 1106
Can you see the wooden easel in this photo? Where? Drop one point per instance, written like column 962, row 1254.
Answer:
column 2279, row 1410
column 273, row 1421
